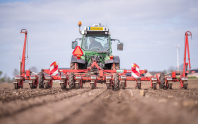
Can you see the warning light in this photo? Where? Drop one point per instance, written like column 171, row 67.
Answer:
column 77, row 51
column 55, row 64
column 78, row 56
column 79, row 23
column 134, row 65
column 111, row 57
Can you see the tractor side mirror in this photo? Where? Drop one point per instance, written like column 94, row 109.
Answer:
column 120, row 46
column 74, row 44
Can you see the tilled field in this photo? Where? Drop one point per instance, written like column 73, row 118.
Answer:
column 99, row 106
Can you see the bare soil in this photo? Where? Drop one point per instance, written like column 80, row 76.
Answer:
column 86, row 106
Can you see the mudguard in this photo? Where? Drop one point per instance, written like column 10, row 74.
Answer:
column 116, row 59
column 74, row 59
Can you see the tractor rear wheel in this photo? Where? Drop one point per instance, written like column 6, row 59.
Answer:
column 108, row 85
column 117, row 66
column 72, row 65
column 116, row 81
column 71, row 81
column 92, row 86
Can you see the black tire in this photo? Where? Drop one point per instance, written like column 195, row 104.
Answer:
column 16, row 86
column 123, row 85
column 116, row 82
column 154, row 86
column 161, row 86
column 117, row 66
column 31, row 86
column 41, row 80
column 162, row 81
column 185, row 86
column 71, row 81
column 170, row 86
column 139, row 85
column 77, row 85
column 46, row 85
column 63, row 86
column 72, row 65
column 82, row 85
column 92, row 86
column 21, row 87
column 108, row 85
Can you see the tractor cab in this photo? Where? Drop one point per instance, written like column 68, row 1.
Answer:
column 95, row 44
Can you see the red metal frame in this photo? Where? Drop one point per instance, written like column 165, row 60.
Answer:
column 26, row 75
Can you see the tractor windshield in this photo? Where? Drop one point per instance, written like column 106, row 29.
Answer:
column 95, row 43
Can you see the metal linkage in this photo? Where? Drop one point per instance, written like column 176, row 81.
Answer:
column 154, row 81
column 78, row 82
column 108, row 81
column 114, row 79
column 63, row 81
column 93, row 82
column 123, row 81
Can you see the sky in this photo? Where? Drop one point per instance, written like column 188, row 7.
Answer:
column 149, row 29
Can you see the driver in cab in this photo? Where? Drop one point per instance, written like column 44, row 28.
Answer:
column 94, row 44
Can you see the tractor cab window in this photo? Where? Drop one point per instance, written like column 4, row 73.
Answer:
column 95, row 42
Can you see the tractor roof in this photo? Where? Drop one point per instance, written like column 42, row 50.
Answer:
column 96, row 29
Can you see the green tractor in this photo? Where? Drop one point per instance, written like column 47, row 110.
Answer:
column 95, row 46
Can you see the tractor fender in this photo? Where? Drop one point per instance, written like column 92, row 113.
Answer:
column 116, row 59
column 74, row 59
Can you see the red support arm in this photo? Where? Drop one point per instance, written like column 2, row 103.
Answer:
column 22, row 68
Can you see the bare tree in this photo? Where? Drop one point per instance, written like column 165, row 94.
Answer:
column 1, row 73
column 5, row 78
column 34, row 69
column 164, row 72
column 15, row 72
column 171, row 69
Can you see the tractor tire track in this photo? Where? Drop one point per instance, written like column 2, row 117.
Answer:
column 65, row 108
column 75, row 113
column 20, row 106
column 8, row 94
